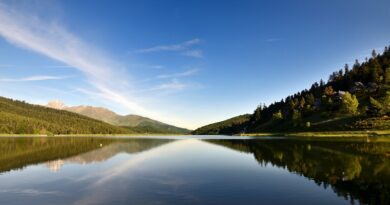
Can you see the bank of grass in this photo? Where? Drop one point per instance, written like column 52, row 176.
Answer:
column 371, row 133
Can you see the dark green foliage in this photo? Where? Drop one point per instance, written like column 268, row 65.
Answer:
column 361, row 91
column 277, row 116
column 375, row 108
column 18, row 117
column 232, row 125
column 386, row 76
column 157, row 129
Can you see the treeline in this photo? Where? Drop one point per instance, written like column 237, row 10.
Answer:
column 354, row 98
column 17, row 117
column 158, row 129
column 232, row 125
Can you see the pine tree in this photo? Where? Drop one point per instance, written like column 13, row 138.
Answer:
column 302, row 103
column 310, row 99
column 346, row 69
column 386, row 102
column 375, row 108
column 375, row 71
column 386, row 76
column 322, row 83
column 277, row 116
column 349, row 104
column 257, row 114
column 374, row 54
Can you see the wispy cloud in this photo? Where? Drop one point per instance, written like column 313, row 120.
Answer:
column 55, row 66
column 168, row 87
column 34, row 78
column 177, row 75
column 174, row 47
column 184, row 48
column 193, row 53
column 29, row 192
column 35, row 66
column 51, row 39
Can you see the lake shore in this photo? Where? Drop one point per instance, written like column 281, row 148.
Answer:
column 371, row 133
column 335, row 134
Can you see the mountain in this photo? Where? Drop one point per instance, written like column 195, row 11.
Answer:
column 352, row 99
column 133, row 122
column 18, row 117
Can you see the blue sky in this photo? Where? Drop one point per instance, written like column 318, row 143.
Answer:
column 187, row 63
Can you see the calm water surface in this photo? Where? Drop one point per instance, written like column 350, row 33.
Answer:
column 207, row 170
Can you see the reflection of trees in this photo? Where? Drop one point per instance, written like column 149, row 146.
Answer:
column 16, row 153
column 356, row 170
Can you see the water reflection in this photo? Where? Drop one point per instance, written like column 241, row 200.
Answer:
column 16, row 153
column 192, row 171
column 356, row 170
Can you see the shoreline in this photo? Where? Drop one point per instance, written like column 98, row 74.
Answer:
column 336, row 134
column 319, row 134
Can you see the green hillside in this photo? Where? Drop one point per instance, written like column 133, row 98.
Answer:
column 356, row 98
column 232, row 125
column 136, row 123
column 17, row 117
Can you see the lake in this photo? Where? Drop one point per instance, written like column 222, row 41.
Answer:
column 193, row 170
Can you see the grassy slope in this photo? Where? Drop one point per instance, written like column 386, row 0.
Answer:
column 18, row 117
column 133, row 122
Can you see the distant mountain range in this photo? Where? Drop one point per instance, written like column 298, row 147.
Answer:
column 134, row 122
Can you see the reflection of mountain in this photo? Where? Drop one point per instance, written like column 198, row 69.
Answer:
column 106, row 152
column 360, row 171
column 16, row 153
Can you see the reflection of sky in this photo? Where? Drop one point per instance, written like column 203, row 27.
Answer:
column 190, row 171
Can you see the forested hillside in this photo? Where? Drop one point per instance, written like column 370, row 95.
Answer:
column 354, row 98
column 17, row 117
column 232, row 125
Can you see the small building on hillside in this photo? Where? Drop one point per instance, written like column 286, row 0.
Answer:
column 339, row 95
column 372, row 87
column 357, row 87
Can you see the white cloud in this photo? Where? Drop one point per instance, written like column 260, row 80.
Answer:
column 168, row 87
column 33, row 78
column 29, row 192
column 193, row 53
column 55, row 66
column 176, row 75
column 184, row 48
column 109, row 82
column 51, row 39
column 174, row 47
